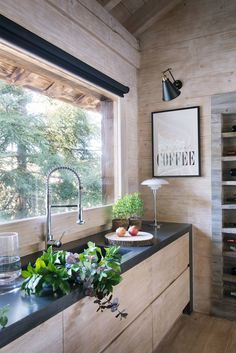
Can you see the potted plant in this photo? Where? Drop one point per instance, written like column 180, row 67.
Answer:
column 135, row 208
column 127, row 211
column 120, row 214
column 57, row 273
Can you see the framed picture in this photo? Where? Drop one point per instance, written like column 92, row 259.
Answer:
column 176, row 143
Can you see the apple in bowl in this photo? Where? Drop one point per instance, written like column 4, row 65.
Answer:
column 121, row 231
column 133, row 231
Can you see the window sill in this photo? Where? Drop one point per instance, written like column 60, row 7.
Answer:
column 32, row 231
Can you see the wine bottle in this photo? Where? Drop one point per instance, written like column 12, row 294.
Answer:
column 230, row 153
column 233, row 172
column 231, row 199
column 233, row 271
column 233, row 128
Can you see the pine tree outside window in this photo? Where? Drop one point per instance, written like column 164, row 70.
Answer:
column 38, row 133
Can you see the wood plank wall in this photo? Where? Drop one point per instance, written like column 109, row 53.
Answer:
column 85, row 30
column 198, row 41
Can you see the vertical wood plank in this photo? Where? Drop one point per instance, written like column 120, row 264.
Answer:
column 47, row 337
column 137, row 337
column 134, row 295
column 168, row 307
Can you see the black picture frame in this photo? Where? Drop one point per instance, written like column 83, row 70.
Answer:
column 176, row 143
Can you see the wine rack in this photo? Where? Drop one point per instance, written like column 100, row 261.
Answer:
column 224, row 205
column 228, row 159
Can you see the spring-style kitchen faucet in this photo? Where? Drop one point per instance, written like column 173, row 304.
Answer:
column 49, row 237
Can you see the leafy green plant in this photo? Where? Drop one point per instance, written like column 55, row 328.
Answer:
column 131, row 205
column 3, row 315
column 48, row 273
column 120, row 208
column 95, row 271
column 135, row 205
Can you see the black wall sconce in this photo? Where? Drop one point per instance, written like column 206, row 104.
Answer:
column 170, row 90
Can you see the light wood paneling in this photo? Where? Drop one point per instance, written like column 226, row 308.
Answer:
column 136, row 338
column 47, row 337
column 110, row 21
column 133, row 292
column 169, row 306
column 168, row 263
column 32, row 232
column 149, row 13
column 201, row 47
column 119, row 39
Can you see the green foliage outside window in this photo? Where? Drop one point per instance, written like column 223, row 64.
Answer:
column 38, row 133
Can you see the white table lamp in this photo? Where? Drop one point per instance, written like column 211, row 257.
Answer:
column 154, row 184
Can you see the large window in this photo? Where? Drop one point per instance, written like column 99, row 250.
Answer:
column 37, row 133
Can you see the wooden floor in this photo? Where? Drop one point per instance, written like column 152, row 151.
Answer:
column 200, row 334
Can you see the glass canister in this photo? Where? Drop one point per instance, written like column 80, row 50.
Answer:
column 10, row 265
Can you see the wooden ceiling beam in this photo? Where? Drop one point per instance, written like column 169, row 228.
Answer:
column 110, row 4
column 148, row 14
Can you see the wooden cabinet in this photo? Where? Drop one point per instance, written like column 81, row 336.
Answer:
column 136, row 338
column 169, row 263
column 47, row 337
column 168, row 307
column 154, row 293
column 81, row 319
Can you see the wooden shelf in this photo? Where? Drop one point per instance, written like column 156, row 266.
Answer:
column 230, row 254
column 229, row 230
column 229, row 183
column 229, row 206
column 229, row 134
column 229, row 278
column 228, row 158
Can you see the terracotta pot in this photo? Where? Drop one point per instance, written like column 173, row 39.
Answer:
column 135, row 222
column 118, row 222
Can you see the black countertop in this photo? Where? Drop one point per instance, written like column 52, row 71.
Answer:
column 26, row 312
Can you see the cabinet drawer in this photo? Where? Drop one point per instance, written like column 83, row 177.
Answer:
column 168, row 264
column 46, row 337
column 168, row 307
column 136, row 338
column 82, row 319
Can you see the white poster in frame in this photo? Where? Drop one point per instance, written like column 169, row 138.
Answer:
column 176, row 143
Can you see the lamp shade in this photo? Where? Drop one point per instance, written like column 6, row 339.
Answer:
column 154, row 183
column 169, row 90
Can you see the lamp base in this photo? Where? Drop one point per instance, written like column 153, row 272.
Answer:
column 155, row 225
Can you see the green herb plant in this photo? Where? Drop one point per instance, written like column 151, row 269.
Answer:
column 95, row 271
column 120, row 209
column 48, row 273
column 3, row 316
column 135, row 205
column 130, row 205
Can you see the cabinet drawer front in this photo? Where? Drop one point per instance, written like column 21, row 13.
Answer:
column 46, row 337
column 81, row 318
column 168, row 264
column 136, row 338
column 168, row 307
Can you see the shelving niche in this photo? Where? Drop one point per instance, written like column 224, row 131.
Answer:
column 224, row 205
